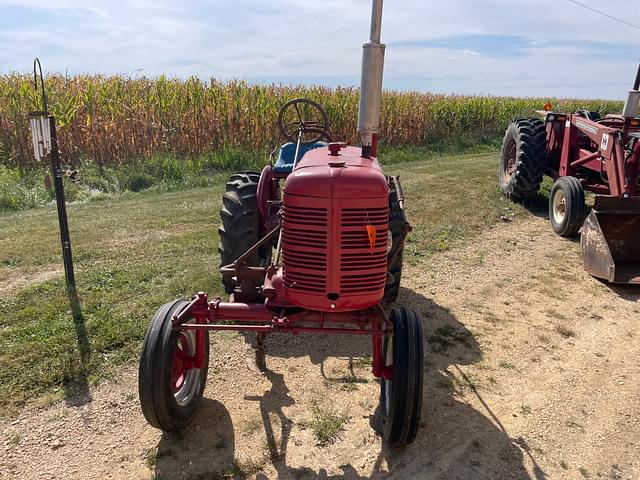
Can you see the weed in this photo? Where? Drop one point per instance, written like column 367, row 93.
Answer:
column 349, row 384
column 525, row 410
column 15, row 439
column 572, row 424
column 446, row 336
column 465, row 380
column 327, row 424
column 564, row 465
column 555, row 314
column 150, row 457
column 615, row 473
column 491, row 317
column 584, row 472
column 61, row 415
column 246, row 468
column 565, row 331
column 253, row 425
column 360, row 362
column 506, row 365
column 544, row 338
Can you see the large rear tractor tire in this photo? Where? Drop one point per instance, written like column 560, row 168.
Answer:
column 169, row 386
column 522, row 158
column 394, row 267
column 240, row 228
column 401, row 395
column 567, row 209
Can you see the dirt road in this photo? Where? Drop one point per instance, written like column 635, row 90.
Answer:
column 532, row 371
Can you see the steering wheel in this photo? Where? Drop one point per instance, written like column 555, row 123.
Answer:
column 304, row 117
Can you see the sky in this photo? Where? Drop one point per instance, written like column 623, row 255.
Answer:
column 497, row 47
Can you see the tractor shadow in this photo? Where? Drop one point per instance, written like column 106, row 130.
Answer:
column 538, row 205
column 629, row 292
column 456, row 441
column 204, row 450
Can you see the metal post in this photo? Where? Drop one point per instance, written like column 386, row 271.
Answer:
column 65, row 238
column 371, row 84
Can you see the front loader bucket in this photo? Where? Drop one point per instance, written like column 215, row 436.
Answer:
column 611, row 239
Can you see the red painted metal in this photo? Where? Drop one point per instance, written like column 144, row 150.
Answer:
column 283, row 328
column 328, row 263
column 593, row 150
column 374, row 145
column 259, row 318
column 313, row 177
column 604, row 155
column 182, row 362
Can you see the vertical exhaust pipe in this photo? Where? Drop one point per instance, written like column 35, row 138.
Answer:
column 371, row 85
column 632, row 104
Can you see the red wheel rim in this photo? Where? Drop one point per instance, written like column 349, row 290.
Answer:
column 182, row 362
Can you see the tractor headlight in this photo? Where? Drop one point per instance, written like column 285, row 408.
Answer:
column 389, row 241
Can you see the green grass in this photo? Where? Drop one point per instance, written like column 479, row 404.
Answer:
column 327, row 425
column 23, row 189
column 136, row 251
column 131, row 254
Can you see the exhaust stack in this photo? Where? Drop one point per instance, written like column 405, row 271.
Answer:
column 632, row 105
column 371, row 85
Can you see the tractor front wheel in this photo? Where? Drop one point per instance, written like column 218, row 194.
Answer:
column 173, row 372
column 522, row 158
column 567, row 209
column 401, row 394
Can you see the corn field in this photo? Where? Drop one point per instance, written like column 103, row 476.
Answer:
column 114, row 120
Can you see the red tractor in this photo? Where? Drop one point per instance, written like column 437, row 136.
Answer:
column 582, row 151
column 313, row 244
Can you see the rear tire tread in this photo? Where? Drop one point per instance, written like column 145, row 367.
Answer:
column 396, row 226
column 530, row 138
column 240, row 227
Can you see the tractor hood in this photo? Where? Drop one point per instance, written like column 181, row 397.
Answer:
column 347, row 175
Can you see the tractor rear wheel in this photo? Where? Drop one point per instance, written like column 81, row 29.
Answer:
column 240, row 228
column 567, row 209
column 522, row 158
column 396, row 229
column 401, row 395
column 169, row 385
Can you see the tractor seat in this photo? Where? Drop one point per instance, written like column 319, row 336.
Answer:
column 284, row 163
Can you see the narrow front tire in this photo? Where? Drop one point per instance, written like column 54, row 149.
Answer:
column 401, row 394
column 171, row 378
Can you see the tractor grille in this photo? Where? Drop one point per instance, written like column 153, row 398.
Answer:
column 362, row 270
column 304, row 248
